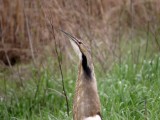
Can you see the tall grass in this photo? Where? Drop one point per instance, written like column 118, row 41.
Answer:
column 129, row 91
column 124, row 40
column 132, row 92
column 24, row 25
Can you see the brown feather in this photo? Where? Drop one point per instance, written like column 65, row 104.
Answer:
column 86, row 100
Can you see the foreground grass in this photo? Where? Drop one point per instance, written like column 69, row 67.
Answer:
column 130, row 91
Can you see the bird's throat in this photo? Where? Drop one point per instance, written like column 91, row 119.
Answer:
column 85, row 66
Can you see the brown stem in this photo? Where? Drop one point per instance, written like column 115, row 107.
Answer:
column 60, row 67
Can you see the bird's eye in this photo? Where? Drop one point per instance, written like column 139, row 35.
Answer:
column 80, row 42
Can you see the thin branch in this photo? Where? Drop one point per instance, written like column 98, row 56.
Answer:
column 8, row 60
column 34, row 63
column 60, row 66
column 131, row 9
column 156, row 39
column 29, row 38
column 146, row 49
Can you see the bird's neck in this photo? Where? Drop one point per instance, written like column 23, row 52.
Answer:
column 86, row 68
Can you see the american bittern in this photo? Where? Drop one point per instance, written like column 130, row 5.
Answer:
column 86, row 104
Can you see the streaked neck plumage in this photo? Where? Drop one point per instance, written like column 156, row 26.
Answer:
column 86, row 104
column 86, row 101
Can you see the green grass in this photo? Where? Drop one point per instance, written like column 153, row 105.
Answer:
column 128, row 92
column 131, row 91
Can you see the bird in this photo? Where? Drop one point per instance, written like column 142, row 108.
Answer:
column 86, row 101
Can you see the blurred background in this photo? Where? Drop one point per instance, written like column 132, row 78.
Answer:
column 36, row 60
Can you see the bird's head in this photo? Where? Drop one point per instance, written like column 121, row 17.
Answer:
column 82, row 51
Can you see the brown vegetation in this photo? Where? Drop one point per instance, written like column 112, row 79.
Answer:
column 24, row 25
